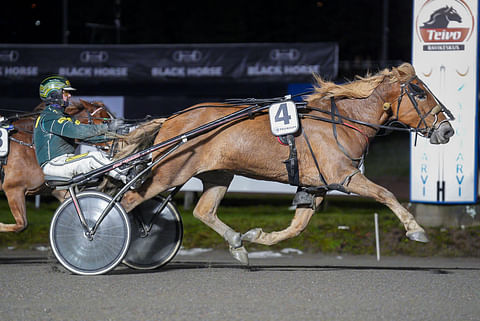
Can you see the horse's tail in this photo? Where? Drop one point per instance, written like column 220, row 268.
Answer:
column 139, row 139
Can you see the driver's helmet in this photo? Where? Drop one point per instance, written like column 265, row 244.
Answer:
column 51, row 89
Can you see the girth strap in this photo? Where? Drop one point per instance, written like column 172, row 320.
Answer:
column 294, row 177
column 292, row 162
column 326, row 187
column 322, row 179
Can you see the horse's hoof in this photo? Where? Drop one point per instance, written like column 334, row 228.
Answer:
column 251, row 235
column 240, row 254
column 419, row 236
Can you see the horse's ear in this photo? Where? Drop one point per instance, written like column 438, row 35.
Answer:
column 84, row 103
column 397, row 73
column 403, row 72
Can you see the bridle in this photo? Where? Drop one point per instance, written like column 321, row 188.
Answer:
column 413, row 91
column 91, row 118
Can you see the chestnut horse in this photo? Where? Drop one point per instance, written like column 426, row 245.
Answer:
column 22, row 175
column 337, row 123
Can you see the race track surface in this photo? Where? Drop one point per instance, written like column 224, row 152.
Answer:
column 212, row 286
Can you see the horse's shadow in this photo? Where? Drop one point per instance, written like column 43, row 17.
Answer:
column 185, row 265
column 193, row 265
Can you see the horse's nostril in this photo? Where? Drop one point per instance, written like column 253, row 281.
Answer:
column 448, row 133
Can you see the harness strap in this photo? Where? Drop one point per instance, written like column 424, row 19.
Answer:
column 282, row 140
column 335, row 114
column 321, row 190
column 292, row 162
column 322, row 179
column 21, row 142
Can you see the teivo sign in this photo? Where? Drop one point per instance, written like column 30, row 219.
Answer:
column 444, row 25
column 445, row 56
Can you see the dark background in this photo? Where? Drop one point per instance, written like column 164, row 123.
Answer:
column 355, row 25
column 365, row 45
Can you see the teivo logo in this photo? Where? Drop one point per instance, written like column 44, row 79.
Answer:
column 444, row 25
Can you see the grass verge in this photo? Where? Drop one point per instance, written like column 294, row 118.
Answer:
column 342, row 226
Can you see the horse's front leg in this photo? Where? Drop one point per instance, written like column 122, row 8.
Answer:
column 16, row 202
column 362, row 186
column 297, row 225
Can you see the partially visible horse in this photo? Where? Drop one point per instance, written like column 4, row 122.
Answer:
column 337, row 125
column 22, row 175
column 440, row 18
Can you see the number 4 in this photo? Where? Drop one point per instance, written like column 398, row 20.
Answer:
column 282, row 114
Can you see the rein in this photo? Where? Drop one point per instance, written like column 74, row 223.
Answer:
column 18, row 117
column 13, row 139
column 407, row 88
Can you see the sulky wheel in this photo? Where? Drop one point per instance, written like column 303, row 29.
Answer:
column 154, row 242
column 102, row 251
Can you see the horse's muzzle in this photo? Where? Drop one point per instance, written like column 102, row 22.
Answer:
column 442, row 134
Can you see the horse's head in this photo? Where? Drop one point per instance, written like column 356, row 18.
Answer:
column 441, row 17
column 452, row 14
column 418, row 107
column 89, row 112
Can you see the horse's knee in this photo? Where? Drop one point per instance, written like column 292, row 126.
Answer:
column 205, row 215
column 384, row 196
column 21, row 227
column 198, row 214
column 207, row 205
column 130, row 200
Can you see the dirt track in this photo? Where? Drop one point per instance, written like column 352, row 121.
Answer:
column 211, row 286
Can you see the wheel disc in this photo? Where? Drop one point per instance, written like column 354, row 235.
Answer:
column 98, row 254
column 159, row 246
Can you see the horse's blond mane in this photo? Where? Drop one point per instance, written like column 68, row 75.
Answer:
column 139, row 139
column 362, row 87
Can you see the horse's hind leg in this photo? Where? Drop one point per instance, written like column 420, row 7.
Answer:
column 298, row 224
column 215, row 185
column 16, row 202
column 360, row 185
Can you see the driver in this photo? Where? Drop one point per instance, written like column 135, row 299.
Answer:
column 55, row 133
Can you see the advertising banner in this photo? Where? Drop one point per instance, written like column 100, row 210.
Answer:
column 283, row 62
column 445, row 56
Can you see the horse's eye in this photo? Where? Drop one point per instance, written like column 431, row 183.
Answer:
column 422, row 96
column 418, row 92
